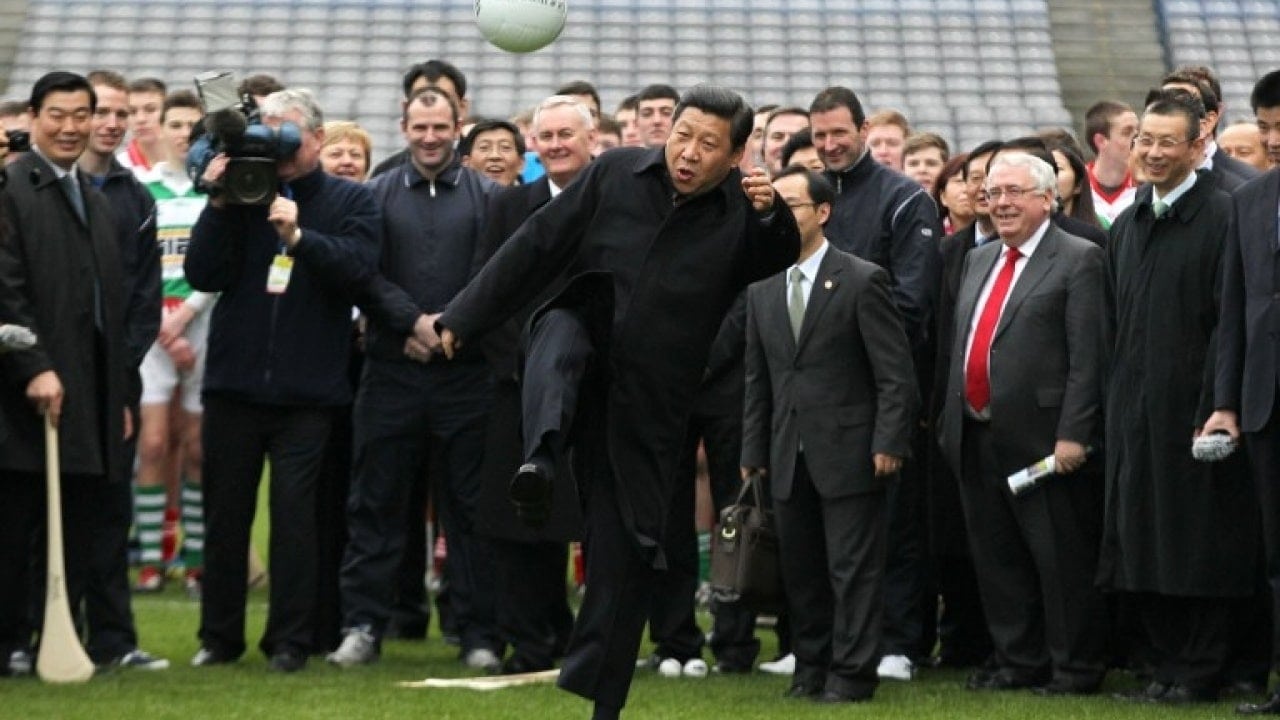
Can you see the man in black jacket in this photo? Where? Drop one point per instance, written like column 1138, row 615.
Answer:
column 279, row 343
column 409, row 408
column 60, row 275
column 659, row 242
column 113, row 638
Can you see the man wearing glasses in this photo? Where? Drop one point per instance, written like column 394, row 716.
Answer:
column 1181, row 536
column 1025, row 384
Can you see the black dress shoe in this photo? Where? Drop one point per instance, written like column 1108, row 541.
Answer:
column 834, row 697
column 728, row 668
column 287, row 662
column 1000, row 680
column 1183, row 695
column 1270, row 706
column 1243, row 688
column 1059, row 687
column 530, row 492
column 519, row 665
column 1148, row 693
column 801, row 691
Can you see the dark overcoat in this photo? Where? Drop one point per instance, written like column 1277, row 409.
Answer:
column 676, row 266
column 51, row 267
column 1173, row 525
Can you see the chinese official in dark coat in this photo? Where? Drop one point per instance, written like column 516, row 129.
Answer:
column 830, row 405
column 60, row 275
column 1248, row 370
column 1180, row 536
column 1025, row 384
column 672, row 235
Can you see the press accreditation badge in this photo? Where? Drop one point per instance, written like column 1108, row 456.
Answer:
column 278, row 274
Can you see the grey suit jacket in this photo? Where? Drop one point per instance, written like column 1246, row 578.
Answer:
column 1046, row 356
column 845, row 390
column 1248, row 366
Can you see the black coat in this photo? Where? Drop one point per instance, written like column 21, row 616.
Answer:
column 508, row 209
column 1173, row 525
column 51, row 267
column 675, row 270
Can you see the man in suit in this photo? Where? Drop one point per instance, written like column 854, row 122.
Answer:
column 1025, row 384
column 530, row 564
column 61, row 276
column 659, row 241
column 829, row 410
column 1247, row 372
column 886, row 218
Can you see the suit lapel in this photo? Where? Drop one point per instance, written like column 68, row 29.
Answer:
column 777, row 322
column 539, row 194
column 824, row 286
column 983, row 259
column 1038, row 265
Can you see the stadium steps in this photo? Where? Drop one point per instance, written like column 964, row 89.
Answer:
column 1105, row 49
column 13, row 15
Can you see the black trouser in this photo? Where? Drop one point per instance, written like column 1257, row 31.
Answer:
column 403, row 412
column 833, row 565
column 600, row 660
column 238, row 437
column 1036, row 558
column 22, row 541
column 331, row 531
column 904, row 568
column 733, row 640
column 673, row 625
column 108, row 605
column 1190, row 638
column 1264, row 457
column 532, row 608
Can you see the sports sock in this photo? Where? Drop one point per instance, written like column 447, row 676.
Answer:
column 148, row 515
column 192, row 526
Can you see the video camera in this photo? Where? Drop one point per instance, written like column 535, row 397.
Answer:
column 233, row 126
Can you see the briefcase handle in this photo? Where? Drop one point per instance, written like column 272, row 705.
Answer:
column 751, row 483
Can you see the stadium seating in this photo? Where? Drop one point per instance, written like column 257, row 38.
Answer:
column 966, row 69
column 1240, row 39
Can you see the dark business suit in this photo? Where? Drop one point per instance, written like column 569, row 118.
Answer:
column 1248, row 368
column 816, row 410
column 1229, row 173
column 1034, row 554
column 530, row 566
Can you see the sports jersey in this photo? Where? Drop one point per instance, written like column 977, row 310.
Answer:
column 178, row 205
column 1110, row 204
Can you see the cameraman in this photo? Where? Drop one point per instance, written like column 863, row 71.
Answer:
column 277, row 359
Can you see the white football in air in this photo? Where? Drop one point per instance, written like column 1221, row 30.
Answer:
column 521, row 26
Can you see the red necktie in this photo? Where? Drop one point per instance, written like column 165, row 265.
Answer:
column 977, row 382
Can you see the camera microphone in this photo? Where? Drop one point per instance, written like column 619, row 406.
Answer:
column 227, row 126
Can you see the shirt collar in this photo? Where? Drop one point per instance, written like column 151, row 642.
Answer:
column 1175, row 193
column 449, row 175
column 811, row 264
column 1028, row 248
column 655, row 160
column 555, row 189
column 58, row 172
column 1210, row 149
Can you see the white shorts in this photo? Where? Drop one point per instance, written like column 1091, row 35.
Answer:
column 160, row 378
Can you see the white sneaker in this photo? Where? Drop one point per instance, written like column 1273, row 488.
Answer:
column 670, row 668
column 482, row 659
column 358, row 648
column 141, row 660
column 782, row 666
column 896, row 667
column 695, row 668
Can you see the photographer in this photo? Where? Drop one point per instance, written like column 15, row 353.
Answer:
column 277, row 359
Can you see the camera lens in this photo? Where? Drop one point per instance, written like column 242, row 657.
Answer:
column 250, row 181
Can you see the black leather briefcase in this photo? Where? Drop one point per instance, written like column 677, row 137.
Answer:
column 744, row 557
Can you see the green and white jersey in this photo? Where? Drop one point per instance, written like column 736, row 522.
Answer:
column 178, row 206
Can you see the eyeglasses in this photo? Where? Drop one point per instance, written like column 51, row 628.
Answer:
column 1145, row 142
column 1014, row 193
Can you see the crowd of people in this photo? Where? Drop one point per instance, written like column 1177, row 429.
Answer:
column 1014, row 409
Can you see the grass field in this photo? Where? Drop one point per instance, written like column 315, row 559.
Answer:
column 167, row 624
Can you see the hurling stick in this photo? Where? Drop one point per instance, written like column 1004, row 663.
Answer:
column 62, row 658
column 489, row 682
